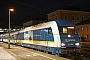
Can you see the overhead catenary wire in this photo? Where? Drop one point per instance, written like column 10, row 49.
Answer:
column 33, row 6
column 74, row 3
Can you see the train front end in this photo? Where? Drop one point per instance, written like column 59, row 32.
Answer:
column 69, row 39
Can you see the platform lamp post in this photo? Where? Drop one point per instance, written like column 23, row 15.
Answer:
column 9, row 29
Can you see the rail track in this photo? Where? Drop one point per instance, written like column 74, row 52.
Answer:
column 84, row 54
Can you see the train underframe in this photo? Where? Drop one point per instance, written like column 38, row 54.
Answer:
column 52, row 50
column 69, row 52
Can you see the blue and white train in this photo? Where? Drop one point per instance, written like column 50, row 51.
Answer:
column 57, row 37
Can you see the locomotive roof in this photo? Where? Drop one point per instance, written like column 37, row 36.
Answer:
column 64, row 23
column 49, row 24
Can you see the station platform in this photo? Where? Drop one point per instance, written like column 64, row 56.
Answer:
column 4, row 55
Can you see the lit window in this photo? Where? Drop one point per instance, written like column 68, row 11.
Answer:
column 87, row 28
column 64, row 30
column 67, row 30
column 87, row 36
column 82, row 28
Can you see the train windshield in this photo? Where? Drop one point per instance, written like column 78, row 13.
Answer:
column 67, row 30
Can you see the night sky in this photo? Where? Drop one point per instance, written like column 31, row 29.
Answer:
column 26, row 10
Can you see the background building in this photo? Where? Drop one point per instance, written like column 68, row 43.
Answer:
column 71, row 15
column 84, row 29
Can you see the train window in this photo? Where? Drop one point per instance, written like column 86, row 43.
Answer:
column 71, row 30
column 49, row 31
column 66, row 30
column 62, row 29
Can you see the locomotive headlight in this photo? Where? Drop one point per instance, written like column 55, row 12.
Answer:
column 69, row 35
column 77, row 44
column 63, row 44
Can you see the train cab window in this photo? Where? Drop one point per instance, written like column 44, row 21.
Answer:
column 71, row 30
column 62, row 30
column 66, row 30
column 49, row 31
